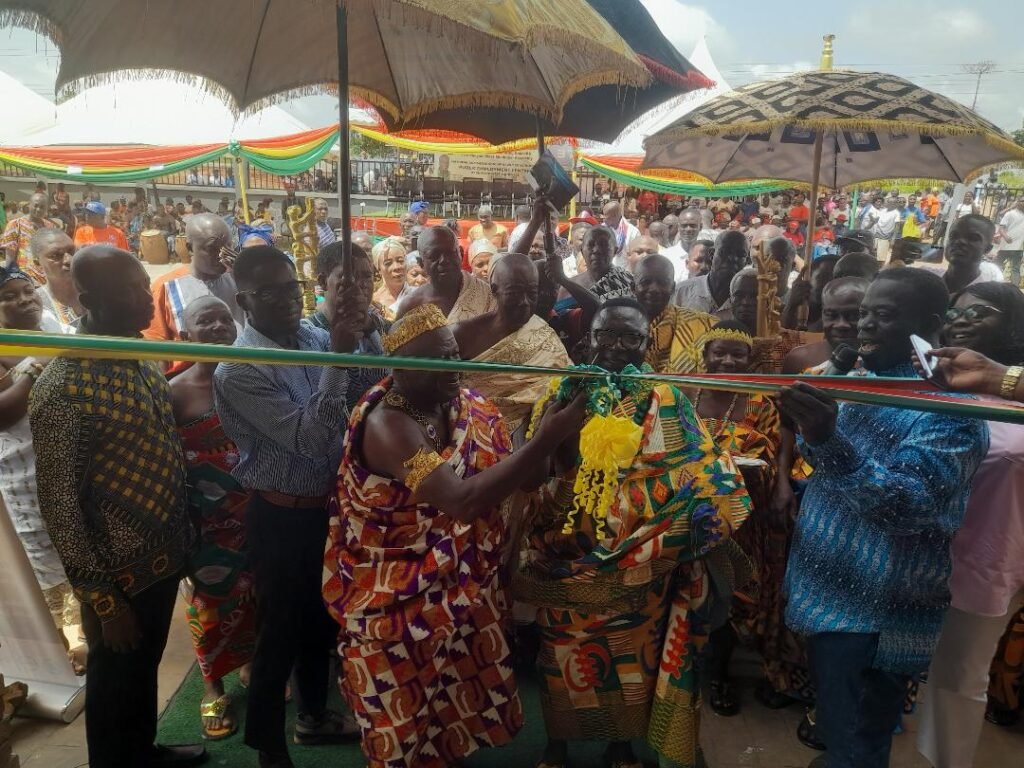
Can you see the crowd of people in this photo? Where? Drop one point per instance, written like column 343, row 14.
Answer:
column 617, row 539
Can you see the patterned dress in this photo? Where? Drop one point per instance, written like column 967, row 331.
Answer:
column 222, row 613
column 426, row 666
column 1006, row 679
column 623, row 615
column 758, row 608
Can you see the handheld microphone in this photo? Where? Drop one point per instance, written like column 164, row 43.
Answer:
column 841, row 361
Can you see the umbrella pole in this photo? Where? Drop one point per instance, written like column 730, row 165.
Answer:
column 549, row 236
column 815, row 173
column 345, row 165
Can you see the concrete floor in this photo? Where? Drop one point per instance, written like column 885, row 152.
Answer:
column 757, row 738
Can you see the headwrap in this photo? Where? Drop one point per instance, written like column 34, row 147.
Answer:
column 264, row 232
column 13, row 273
column 416, row 322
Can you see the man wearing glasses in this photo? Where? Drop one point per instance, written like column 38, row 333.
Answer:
column 288, row 423
column 616, row 596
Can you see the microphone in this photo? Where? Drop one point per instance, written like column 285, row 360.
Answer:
column 841, row 361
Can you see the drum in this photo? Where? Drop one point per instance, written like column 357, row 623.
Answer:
column 181, row 248
column 153, row 246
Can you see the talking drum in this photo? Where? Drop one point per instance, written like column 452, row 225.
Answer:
column 153, row 245
column 181, row 248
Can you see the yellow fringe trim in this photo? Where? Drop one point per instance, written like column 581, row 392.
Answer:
column 841, row 124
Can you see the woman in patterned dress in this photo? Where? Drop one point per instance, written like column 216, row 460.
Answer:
column 221, row 613
column 747, row 427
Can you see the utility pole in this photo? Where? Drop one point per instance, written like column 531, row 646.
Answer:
column 980, row 69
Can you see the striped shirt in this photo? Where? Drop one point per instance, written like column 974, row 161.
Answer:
column 288, row 421
column 871, row 550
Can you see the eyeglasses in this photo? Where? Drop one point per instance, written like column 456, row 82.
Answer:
column 972, row 313
column 290, row 290
column 628, row 339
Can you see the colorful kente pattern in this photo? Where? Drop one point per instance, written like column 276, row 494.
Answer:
column 621, row 616
column 426, row 664
column 222, row 612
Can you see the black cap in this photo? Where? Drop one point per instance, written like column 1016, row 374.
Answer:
column 860, row 236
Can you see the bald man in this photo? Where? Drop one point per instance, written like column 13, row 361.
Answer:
column 110, row 475
column 458, row 294
column 514, row 335
column 625, row 233
column 18, row 234
column 207, row 274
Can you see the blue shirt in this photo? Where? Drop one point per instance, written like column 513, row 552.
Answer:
column 871, row 550
column 288, row 421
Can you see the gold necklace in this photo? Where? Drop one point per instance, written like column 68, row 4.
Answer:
column 728, row 414
column 399, row 402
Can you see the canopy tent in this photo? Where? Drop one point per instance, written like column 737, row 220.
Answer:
column 26, row 111
column 631, row 140
column 621, row 159
column 626, row 170
column 125, row 163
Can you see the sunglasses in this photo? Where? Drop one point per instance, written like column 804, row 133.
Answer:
column 972, row 313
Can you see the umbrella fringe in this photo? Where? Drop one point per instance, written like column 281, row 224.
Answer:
column 72, row 88
column 845, row 124
column 33, row 21
column 498, row 99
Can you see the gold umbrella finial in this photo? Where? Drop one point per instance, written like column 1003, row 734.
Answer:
column 826, row 52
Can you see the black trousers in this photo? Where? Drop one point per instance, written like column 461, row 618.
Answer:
column 286, row 550
column 120, row 689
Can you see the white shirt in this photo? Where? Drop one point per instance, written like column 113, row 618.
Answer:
column 678, row 256
column 1013, row 223
column 885, row 224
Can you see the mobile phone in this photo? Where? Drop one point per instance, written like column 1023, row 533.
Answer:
column 922, row 349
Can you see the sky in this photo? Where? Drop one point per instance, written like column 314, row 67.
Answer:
column 928, row 43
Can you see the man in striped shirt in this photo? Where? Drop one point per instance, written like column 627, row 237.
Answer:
column 288, row 423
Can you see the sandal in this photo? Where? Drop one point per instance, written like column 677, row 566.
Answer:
column 219, row 709
column 770, row 698
column 806, row 732
column 723, row 699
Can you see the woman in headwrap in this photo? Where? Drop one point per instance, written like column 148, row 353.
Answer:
column 21, row 309
column 389, row 261
column 255, row 234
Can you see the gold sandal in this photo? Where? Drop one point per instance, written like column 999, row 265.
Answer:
column 217, row 709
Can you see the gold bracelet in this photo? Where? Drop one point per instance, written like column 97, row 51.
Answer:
column 421, row 464
column 1010, row 380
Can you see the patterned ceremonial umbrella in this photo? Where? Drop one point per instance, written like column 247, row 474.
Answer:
column 867, row 125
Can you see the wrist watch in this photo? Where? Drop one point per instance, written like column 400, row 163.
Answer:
column 1010, row 380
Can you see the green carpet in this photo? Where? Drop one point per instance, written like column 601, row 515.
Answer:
column 180, row 724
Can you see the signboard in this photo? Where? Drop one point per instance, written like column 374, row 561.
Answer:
column 510, row 165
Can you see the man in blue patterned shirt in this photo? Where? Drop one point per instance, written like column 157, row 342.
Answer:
column 288, row 423
column 871, row 553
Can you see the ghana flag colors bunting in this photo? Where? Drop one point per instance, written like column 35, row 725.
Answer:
column 898, row 393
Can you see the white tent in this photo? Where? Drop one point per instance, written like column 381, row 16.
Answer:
column 158, row 111
column 631, row 140
column 25, row 111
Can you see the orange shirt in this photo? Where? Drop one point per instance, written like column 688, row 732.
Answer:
column 86, row 235
column 799, row 212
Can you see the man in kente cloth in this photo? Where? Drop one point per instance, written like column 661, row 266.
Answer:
column 414, row 557
column 459, row 294
column 514, row 335
column 617, row 559
column 674, row 331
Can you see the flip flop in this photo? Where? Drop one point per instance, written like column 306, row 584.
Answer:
column 218, row 708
